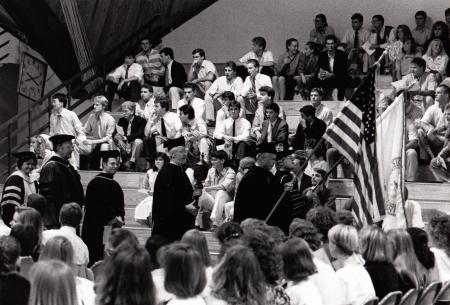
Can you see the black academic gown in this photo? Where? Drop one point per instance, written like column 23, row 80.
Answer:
column 59, row 183
column 173, row 191
column 257, row 194
column 104, row 201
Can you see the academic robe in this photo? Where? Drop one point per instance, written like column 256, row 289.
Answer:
column 173, row 191
column 104, row 202
column 17, row 188
column 257, row 194
column 59, row 184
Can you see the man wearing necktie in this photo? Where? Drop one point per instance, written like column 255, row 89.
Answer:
column 353, row 41
column 126, row 81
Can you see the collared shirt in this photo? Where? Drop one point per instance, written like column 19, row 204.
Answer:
column 194, row 125
column 261, row 80
column 148, row 111
column 436, row 64
column 260, row 115
column 319, row 36
column 169, row 73
column 222, row 115
column 266, row 56
column 296, row 64
column 331, row 61
column 226, row 178
column 373, row 38
column 421, row 36
column 198, row 105
column 4, row 229
column 242, row 128
column 134, row 69
column 434, row 116
column 427, row 82
column 66, row 122
column 349, row 37
column 222, row 84
column 324, row 113
column 151, row 63
column 80, row 250
column 206, row 67
column 100, row 127
column 172, row 123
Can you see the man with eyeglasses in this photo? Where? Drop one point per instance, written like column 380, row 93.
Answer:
column 202, row 72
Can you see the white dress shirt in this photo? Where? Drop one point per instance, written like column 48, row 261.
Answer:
column 100, row 127
column 242, row 129
column 148, row 111
column 66, row 122
column 80, row 250
column 172, row 123
column 206, row 67
column 324, row 113
column 222, row 84
column 133, row 70
column 261, row 80
column 267, row 56
column 198, row 105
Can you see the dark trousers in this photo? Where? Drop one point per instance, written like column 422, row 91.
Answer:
column 150, row 148
column 130, row 91
column 331, row 83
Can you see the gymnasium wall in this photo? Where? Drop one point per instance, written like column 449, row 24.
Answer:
column 224, row 30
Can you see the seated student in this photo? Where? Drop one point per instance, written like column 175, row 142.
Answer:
column 126, row 80
column 145, row 106
column 133, row 133
column 310, row 70
column 442, row 160
column 309, row 128
column 380, row 37
column 99, row 129
column 332, row 66
column 194, row 133
column 289, row 67
column 175, row 76
column 198, row 104
column 404, row 59
column 261, row 55
column 202, row 72
column 431, row 127
column 436, row 59
column 325, row 194
column 441, row 31
column 166, row 126
column 151, row 64
column 412, row 147
column 229, row 82
column 222, row 114
column 421, row 33
column 322, row 112
column 267, row 94
column 273, row 129
column 250, row 94
column 235, row 131
column 219, row 186
column 316, row 158
column 353, row 41
column 321, row 31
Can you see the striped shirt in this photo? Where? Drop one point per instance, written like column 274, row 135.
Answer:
column 151, row 63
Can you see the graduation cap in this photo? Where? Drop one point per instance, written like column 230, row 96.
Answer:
column 284, row 154
column 106, row 154
column 60, row 138
column 24, row 155
column 171, row 143
column 266, row 148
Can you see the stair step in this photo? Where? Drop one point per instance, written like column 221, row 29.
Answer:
column 127, row 180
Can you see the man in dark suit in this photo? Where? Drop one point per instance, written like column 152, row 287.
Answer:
column 174, row 78
column 274, row 129
column 332, row 69
column 133, row 132
column 313, row 128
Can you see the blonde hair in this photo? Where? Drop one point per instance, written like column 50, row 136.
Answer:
column 129, row 105
column 430, row 48
column 374, row 245
column 345, row 238
column 100, row 99
column 52, row 283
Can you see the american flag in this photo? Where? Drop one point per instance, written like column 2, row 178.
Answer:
column 352, row 133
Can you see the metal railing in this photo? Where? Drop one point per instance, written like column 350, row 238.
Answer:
column 73, row 86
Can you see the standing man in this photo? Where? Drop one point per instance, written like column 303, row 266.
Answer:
column 259, row 190
column 64, row 121
column 173, row 211
column 174, row 78
column 228, row 82
column 151, row 64
column 203, row 72
column 104, row 206
column 59, row 181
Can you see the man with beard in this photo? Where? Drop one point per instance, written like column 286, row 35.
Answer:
column 104, row 206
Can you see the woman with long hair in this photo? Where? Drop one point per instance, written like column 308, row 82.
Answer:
column 143, row 210
column 238, row 279
column 405, row 260
column 401, row 34
column 377, row 253
column 52, row 283
column 440, row 31
column 439, row 228
column 344, row 246
column 185, row 276
column 198, row 241
column 298, row 266
column 436, row 58
column 126, row 278
column 406, row 55
column 427, row 261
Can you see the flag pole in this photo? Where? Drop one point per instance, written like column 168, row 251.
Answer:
column 403, row 165
column 325, row 177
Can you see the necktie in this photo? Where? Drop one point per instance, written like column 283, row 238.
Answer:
column 126, row 72
column 167, row 77
column 234, row 128
column 356, row 41
column 58, row 123
column 163, row 128
column 269, row 133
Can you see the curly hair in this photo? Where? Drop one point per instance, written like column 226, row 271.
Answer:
column 306, row 230
column 267, row 254
column 229, row 230
column 323, row 219
column 420, row 242
column 439, row 228
column 253, row 224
